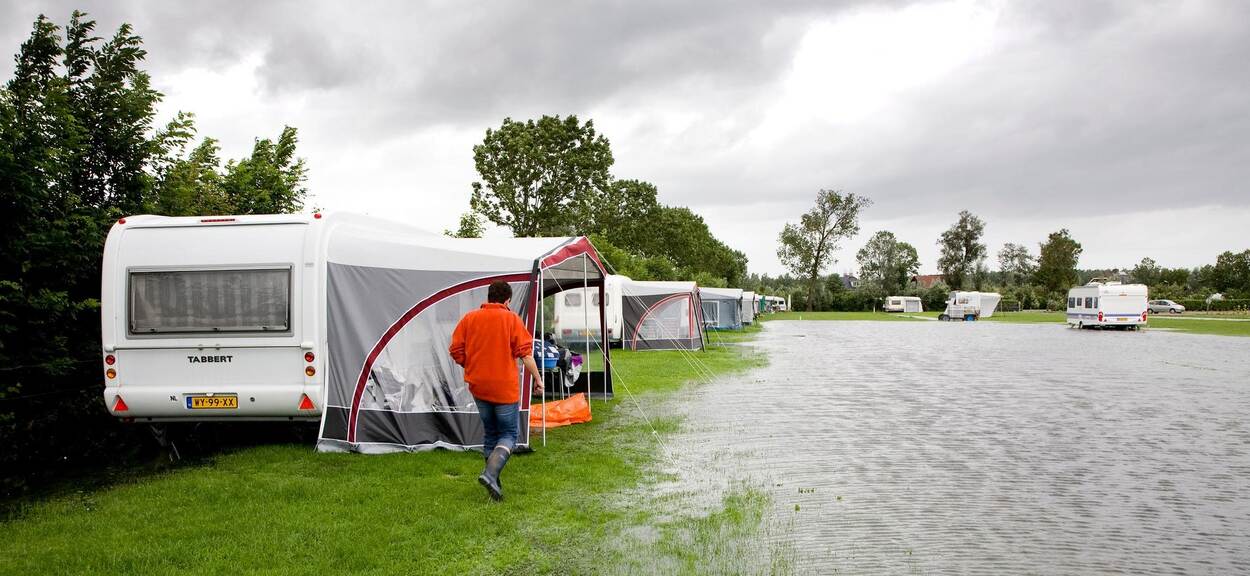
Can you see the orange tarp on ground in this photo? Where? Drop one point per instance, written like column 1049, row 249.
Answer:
column 572, row 410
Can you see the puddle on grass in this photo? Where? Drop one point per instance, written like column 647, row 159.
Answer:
column 974, row 448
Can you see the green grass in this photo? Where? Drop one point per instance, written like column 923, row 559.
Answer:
column 285, row 509
column 837, row 316
column 1167, row 322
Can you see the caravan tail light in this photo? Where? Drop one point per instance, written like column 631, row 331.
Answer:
column 305, row 403
column 121, row 221
column 316, row 215
column 110, row 373
column 1100, row 315
column 1143, row 316
column 119, row 405
column 309, row 357
column 110, row 360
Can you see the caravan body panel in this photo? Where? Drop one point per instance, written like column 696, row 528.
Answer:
column 212, row 308
column 1108, row 304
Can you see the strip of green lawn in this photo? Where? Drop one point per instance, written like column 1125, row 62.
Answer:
column 836, row 316
column 1177, row 323
column 285, row 509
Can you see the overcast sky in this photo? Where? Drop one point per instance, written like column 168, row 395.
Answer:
column 1127, row 122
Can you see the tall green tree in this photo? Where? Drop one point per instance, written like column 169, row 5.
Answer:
column 962, row 253
column 271, row 180
column 887, row 263
column 1231, row 273
column 470, row 227
column 807, row 248
column 79, row 148
column 625, row 214
column 540, row 178
column 1056, row 263
column 1147, row 272
column 1016, row 264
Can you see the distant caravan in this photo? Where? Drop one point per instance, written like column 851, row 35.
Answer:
column 1108, row 304
column 903, row 304
column 970, row 306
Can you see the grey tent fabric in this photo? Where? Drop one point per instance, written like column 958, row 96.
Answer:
column 391, row 384
column 722, row 308
column 661, row 316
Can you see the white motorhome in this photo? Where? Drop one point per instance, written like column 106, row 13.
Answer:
column 575, row 322
column 903, row 304
column 970, row 305
column 1108, row 304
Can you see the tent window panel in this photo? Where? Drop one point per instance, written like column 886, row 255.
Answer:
column 415, row 373
column 668, row 321
column 210, row 301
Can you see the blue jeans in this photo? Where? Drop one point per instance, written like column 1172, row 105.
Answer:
column 499, row 422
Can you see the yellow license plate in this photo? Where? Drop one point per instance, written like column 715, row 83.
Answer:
column 212, row 402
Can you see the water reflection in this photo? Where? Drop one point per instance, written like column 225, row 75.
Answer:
column 985, row 448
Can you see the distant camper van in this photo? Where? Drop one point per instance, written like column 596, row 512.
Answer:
column 1107, row 304
column 962, row 305
column 903, row 304
column 575, row 323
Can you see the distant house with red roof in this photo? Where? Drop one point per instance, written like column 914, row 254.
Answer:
column 926, row 281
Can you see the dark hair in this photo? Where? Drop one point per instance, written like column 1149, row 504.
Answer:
column 499, row 292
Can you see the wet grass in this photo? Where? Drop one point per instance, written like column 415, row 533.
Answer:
column 284, row 509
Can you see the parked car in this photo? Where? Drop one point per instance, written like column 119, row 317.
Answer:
column 1157, row 306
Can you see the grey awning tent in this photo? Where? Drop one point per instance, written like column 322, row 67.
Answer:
column 661, row 316
column 393, row 298
column 748, row 307
column 722, row 308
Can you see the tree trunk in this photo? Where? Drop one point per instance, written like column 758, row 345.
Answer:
column 811, row 291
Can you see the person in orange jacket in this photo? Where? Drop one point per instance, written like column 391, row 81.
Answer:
column 487, row 343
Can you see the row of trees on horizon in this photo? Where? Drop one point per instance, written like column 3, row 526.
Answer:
column 888, row 266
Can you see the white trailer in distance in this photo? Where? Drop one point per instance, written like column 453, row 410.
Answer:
column 970, row 305
column 1108, row 304
column 575, row 323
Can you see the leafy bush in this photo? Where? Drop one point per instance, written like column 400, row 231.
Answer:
column 1226, row 305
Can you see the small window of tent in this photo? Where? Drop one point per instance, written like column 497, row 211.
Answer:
column 711, row 312
column 574, row 299
column 668, row 321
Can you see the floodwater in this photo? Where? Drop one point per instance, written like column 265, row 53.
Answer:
column 927, row 447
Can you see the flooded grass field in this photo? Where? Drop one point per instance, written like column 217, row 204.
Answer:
column 925, row 447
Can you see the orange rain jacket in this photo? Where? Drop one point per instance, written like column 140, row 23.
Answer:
column 487, row 342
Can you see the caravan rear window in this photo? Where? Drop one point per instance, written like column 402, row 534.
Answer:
column 573, row 299
column 210, row 301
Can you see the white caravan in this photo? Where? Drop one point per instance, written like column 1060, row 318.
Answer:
column 903, row 304
column 574, row 321
column 190, row 304
column 227, row 317
column 970, row 305
column 1107, row 304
